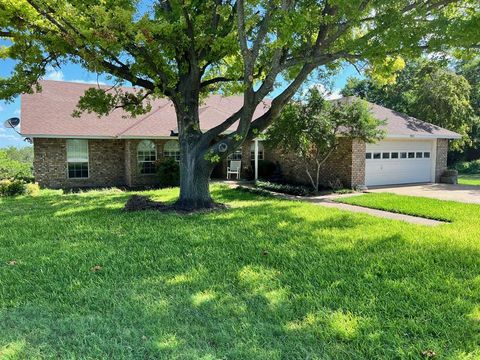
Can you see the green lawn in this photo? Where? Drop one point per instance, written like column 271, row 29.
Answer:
column 472, row 179
column 268, row 279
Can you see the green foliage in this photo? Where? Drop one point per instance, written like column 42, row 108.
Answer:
column 266, row 169
column 311, row 129
column 471, row 71
column 152, row 46
column 15, row 163
column 212, row 157
column 468, row 167
column 290, row 189
column 427, row 90
column 168, row 172
column 12, row 187
column 32, row 189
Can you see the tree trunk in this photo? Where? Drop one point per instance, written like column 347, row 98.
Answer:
column 194, row 179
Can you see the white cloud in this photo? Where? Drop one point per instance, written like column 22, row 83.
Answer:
column 16, row 112
column 1, row 108
column 329, row 95
column 53, row 74
column 95, row 82
column 9, row 138
column 333, row 95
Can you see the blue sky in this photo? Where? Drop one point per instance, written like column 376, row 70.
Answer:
column 72, row 72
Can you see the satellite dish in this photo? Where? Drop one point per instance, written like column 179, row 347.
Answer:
column 12, row 122
column 222, row 147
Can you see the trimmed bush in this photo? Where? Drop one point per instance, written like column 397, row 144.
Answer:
column 289, row 189
column 168, row 172
column 32, row 189
column 12, row 187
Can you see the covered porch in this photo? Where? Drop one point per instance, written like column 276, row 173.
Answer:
column 250, row 156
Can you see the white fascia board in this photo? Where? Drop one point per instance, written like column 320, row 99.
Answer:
column 44, row 136
column 147, row 137
column 423, row 136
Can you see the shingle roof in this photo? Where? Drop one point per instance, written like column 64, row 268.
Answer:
column 49, row 114
column 401, row 125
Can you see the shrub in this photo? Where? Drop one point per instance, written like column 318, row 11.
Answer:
column 266, row 169
column 32, row 189
column 168, row 172
column 12, row 187
column 298, row 190
column 468, row 167
column 11, row 168
column 335, row 185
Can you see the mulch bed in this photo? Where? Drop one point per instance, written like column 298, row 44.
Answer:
column 141, row 203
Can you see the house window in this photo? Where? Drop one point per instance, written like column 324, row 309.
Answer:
column 377, row 155
column 411, row 155
column 368, row 156
column 146, row 156
column 260, row 151
column 419, row 155
column 386, row 155
column 403, row 155
column 426, row 155
column 77, row 158
column 237, row 155
column 172, row 149
column 394, row 155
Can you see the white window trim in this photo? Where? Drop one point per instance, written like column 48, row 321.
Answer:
column 261, row 150
column 78, row 160
column 177, row 158
column 399, row 152
column 144, row 161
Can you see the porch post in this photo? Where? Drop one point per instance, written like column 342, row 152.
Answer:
column 256, row 158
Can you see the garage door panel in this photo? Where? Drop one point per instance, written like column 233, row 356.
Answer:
column 385, row 171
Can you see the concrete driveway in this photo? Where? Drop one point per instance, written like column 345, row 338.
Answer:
column 460, row 193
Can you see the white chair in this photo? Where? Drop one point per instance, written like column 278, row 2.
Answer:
column 234, row 168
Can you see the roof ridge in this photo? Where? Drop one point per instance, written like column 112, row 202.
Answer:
column 141, row 120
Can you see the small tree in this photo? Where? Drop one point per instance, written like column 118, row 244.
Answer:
column 312, row 129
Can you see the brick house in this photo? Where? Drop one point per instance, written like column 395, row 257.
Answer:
column 121, row 151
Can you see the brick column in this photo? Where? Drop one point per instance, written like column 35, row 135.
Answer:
column 441, row 160
column 358, row 163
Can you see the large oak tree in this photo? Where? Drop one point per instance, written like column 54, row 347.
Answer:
column 187, row 49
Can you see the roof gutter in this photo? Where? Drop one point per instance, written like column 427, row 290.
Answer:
column 423, row 136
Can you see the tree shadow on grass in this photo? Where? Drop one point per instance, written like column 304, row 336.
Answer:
column 269, row 279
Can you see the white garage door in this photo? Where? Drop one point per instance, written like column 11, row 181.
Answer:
column 399, row 162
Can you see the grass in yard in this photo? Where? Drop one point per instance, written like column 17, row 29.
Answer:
column 469, row 179
column 268, row 279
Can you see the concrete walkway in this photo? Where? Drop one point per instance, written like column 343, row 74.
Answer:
column 329, row 201
column 461, row 193
column 379, row 213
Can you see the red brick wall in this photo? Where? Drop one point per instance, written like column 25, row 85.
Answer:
column 106, row 164
column 114, row 163
column 134, row 178
column 337, row 167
